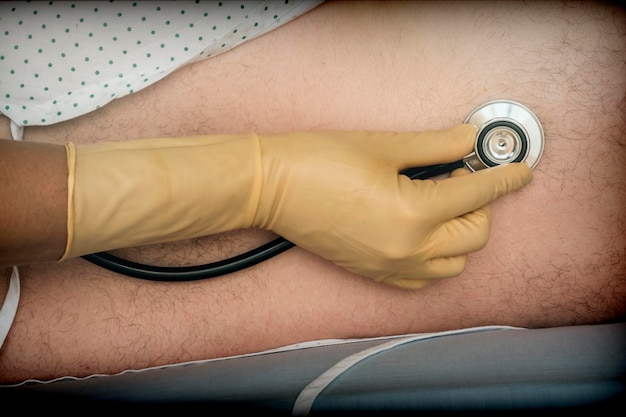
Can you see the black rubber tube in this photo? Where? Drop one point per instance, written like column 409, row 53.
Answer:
column 190, row 273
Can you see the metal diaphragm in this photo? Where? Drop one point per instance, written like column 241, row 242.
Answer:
column 507, row 132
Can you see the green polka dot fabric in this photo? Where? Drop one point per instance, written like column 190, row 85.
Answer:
column 59, row 60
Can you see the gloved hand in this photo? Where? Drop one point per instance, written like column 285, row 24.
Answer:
column 340, row 196
column 336, row 194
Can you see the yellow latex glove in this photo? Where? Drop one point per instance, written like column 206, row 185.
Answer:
column 159, row 190
column 336, row 194
column 340, row 196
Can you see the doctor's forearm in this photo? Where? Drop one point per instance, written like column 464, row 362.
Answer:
column 33, row 191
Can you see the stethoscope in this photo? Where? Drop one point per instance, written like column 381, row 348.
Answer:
column 507, row 132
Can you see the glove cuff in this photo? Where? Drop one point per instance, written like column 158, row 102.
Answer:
column 159, row 190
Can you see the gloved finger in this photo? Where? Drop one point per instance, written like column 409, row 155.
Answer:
column 464, row 234
column 445, row 267
column 459, row 195
column 409, row 150
column 436, row 268
column 406, row 283
column 459, row 172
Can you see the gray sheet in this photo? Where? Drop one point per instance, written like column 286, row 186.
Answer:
column 558, row 368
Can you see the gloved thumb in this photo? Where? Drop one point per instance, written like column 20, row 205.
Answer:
column 419, row 149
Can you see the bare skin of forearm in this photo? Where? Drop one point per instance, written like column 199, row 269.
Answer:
column 556, row 255
column 33, row 191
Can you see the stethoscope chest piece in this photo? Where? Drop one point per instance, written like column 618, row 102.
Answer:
column 507, row 132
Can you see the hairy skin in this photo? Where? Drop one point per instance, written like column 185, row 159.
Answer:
column 557, row 252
